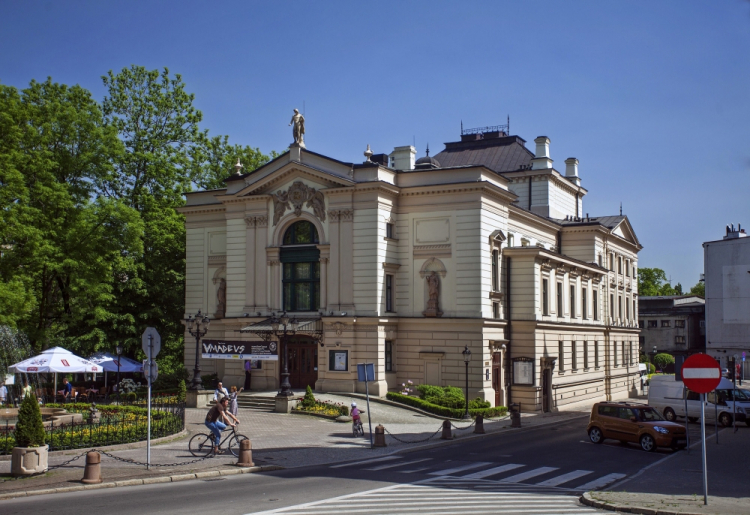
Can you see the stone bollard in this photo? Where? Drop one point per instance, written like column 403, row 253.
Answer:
column 447, row 435
column 479, row 428
column 380, row 436
column 92, row 474
column 515, row 415
column 246, row 454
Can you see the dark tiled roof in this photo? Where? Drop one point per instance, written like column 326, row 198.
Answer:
column 611, row 221
column 506, row 154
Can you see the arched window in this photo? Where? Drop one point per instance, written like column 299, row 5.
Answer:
column 300, row 258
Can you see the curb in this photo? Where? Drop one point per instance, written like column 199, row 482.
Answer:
column 590, row 501
column 146, row 481
column 118, row 447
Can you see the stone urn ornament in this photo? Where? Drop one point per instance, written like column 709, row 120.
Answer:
column 30, row 455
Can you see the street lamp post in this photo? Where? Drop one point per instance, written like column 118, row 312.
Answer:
column 118, row 350
column 653, row 357
column 197, row 327
column 283, row 327
column 467, row 358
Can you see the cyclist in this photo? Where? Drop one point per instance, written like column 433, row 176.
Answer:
column 219, row 410
column 356, row 421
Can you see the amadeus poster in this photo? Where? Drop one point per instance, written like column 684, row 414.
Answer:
column 221, row 349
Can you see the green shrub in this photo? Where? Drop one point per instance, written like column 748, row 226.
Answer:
column 445, row 396
column 651, row 368
column 478, row 403
column 29, row 430
column 445, row 411
column 344, row 410
column 309, row 399
column 663, row 359
column 181, row 391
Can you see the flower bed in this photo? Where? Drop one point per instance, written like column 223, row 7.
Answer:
column 115, row 424
column 443, row 411
column 309, row 404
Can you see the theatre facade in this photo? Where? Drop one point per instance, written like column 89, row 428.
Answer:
column 404, row 263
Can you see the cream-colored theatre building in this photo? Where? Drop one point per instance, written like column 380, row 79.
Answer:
column 404, row 263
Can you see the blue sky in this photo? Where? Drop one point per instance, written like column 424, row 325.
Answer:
column 651, row 97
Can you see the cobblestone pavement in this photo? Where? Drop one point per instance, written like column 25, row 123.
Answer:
column 278, row 439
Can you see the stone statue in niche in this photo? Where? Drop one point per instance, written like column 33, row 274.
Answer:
column 433, row 291
column 297, row 194
column 221, row 299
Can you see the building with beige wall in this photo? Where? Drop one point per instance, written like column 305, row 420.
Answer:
column 403, row 263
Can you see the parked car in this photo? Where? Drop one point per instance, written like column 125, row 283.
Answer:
column 635, row 423
column 670, row 397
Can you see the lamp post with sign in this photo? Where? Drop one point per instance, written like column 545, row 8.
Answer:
column 283, row 328
column 467, row 358
column 197, row 327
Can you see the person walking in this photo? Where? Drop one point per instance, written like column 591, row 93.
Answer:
column 3, row 394
column 26, row 389
column 248, row 369
column 233, row 407
column 217, row 411
column 220, row 392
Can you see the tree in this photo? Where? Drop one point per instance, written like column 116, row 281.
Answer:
column 214, row 160
column 663, row 359
column 652, row 282
column 61, row 246
column 29, row 430
column 699, row 289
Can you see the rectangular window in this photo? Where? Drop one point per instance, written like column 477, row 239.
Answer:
column 679, row 339
column 545, row 297
column 600, row 259
column 665, row 323
column 679, row 323
column 585, row 354
column 573, row 356
column 301, row 284
column 495, row 310
column 389, row 293
column 627, row 310
column 627, row 268
column 595, row 298
column 388, row 356
column 624, row 356
column 389, row 230
column 619, row 265
column 614, row 349
column 495, row 271
column 619, row 307
column 584, row 306
column 596, row 354
column 559, row 300
column 640, row 324
column 651, row 324
column 572, row 302
column 338, row 360
column 611, row 305
column 561, row 356
column 611, row 262
column 630, row 353
column 635, row 311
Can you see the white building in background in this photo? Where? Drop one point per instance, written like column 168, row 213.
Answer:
column 726, row 264
column 404, row 263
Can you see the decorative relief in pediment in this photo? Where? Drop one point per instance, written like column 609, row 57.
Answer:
column 297, row 195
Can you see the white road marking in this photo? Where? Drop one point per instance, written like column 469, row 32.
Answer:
column 391, row 465
column 528, row 475
column 570, row 476
column 447, row 472
column 600, row 482
column 387, row 458
column 491, row 472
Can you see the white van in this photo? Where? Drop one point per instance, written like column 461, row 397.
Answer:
column 668, row 396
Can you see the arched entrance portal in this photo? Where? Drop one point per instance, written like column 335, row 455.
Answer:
column 303, row 362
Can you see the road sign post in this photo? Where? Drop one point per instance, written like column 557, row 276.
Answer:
column 151, row 344
column 702, row 374
column 366, row 373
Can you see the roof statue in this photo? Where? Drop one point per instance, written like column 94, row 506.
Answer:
column 298, row 131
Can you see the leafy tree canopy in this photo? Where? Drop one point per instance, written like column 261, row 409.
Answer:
column 652, row 282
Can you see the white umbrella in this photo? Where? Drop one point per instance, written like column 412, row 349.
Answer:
column 56, row 360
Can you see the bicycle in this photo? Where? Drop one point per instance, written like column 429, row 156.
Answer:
column 357, row 428
column 202, row 444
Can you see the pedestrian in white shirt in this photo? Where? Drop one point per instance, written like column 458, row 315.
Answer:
column 220, row 392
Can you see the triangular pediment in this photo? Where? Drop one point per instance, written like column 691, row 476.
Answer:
column 625, row 231
column 269, row 181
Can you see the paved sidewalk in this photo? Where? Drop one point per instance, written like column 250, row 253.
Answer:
column 291, row 440
column 675, row 483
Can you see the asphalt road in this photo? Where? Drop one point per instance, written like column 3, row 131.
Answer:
column 540, row 468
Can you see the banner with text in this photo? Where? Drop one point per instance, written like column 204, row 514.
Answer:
column 260, row 350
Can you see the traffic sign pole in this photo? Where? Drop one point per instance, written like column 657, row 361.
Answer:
column 151, row 344
column 703, row 448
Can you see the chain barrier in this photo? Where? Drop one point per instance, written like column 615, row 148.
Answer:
column 414, row 441
column 462, row 428
column 71, row 460
column 134, row 462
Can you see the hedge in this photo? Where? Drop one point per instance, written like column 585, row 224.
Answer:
column 443, row 411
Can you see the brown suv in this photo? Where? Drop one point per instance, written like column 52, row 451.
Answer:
column 638, row 423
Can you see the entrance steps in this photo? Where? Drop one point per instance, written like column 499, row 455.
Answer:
column 256, row 402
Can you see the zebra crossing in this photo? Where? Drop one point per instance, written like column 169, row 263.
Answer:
column 446, row 495
column 502, row 473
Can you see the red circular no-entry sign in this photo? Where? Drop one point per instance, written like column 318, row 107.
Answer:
column 701, row 373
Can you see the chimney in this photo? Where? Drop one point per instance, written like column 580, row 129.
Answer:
column 571, row 170
column 541, row 159
column 402, row 158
